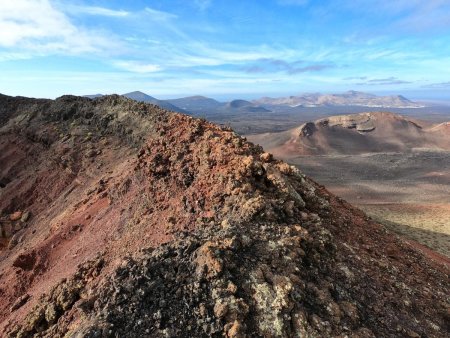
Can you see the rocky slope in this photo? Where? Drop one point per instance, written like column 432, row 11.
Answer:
column 123, row 219
column 355, row 134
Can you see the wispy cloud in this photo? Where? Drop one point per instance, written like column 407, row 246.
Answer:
column 311, row 68
column 381, row 82
column 440, row 85
column 355, row 78
column 157, row 15
column 266, row 65
column 196, row 53
column 430, row 19
column 389, row 80
column 8, row 56
column 137, row 66
column 94, row 10
column 406, row 15
column 237, row 46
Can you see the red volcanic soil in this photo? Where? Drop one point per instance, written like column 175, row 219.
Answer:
column 123, row 219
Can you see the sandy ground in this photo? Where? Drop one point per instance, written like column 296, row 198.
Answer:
column 408, row 192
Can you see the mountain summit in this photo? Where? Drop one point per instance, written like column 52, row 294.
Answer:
column 196, row 104
column 142, row 97
column 123, row 219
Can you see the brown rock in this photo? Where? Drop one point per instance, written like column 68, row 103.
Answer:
column 25, row 217
column 220, row 309
column 266, row 157
column 15, row 216
column 235, row 330
column 20, row 302
column 207, row 262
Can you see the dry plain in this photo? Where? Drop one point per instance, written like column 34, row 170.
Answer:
column 408, row 192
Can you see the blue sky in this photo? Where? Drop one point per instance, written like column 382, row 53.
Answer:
column 225, row 48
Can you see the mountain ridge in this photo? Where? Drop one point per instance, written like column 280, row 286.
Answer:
column 126, row 219
column 201, row 104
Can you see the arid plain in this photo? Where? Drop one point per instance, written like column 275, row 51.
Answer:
column 408, row 192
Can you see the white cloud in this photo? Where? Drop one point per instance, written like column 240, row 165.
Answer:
column 192, row 53
column 38, row 27
column 137, row 66
column 24, row 19
column 159, row 15
column 93, row 10
column 8, row 56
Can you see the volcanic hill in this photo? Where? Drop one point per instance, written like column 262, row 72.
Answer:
column 356, row 134
column 122, row 219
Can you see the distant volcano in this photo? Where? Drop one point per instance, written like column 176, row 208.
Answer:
column 356, row 134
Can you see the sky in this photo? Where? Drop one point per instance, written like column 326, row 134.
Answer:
column 225, row 48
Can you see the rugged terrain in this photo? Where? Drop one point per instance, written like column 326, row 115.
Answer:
column 123, row 219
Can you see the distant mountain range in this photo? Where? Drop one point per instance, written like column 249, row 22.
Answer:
column 142, row 97
column 350, row 98
column 198, row 105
